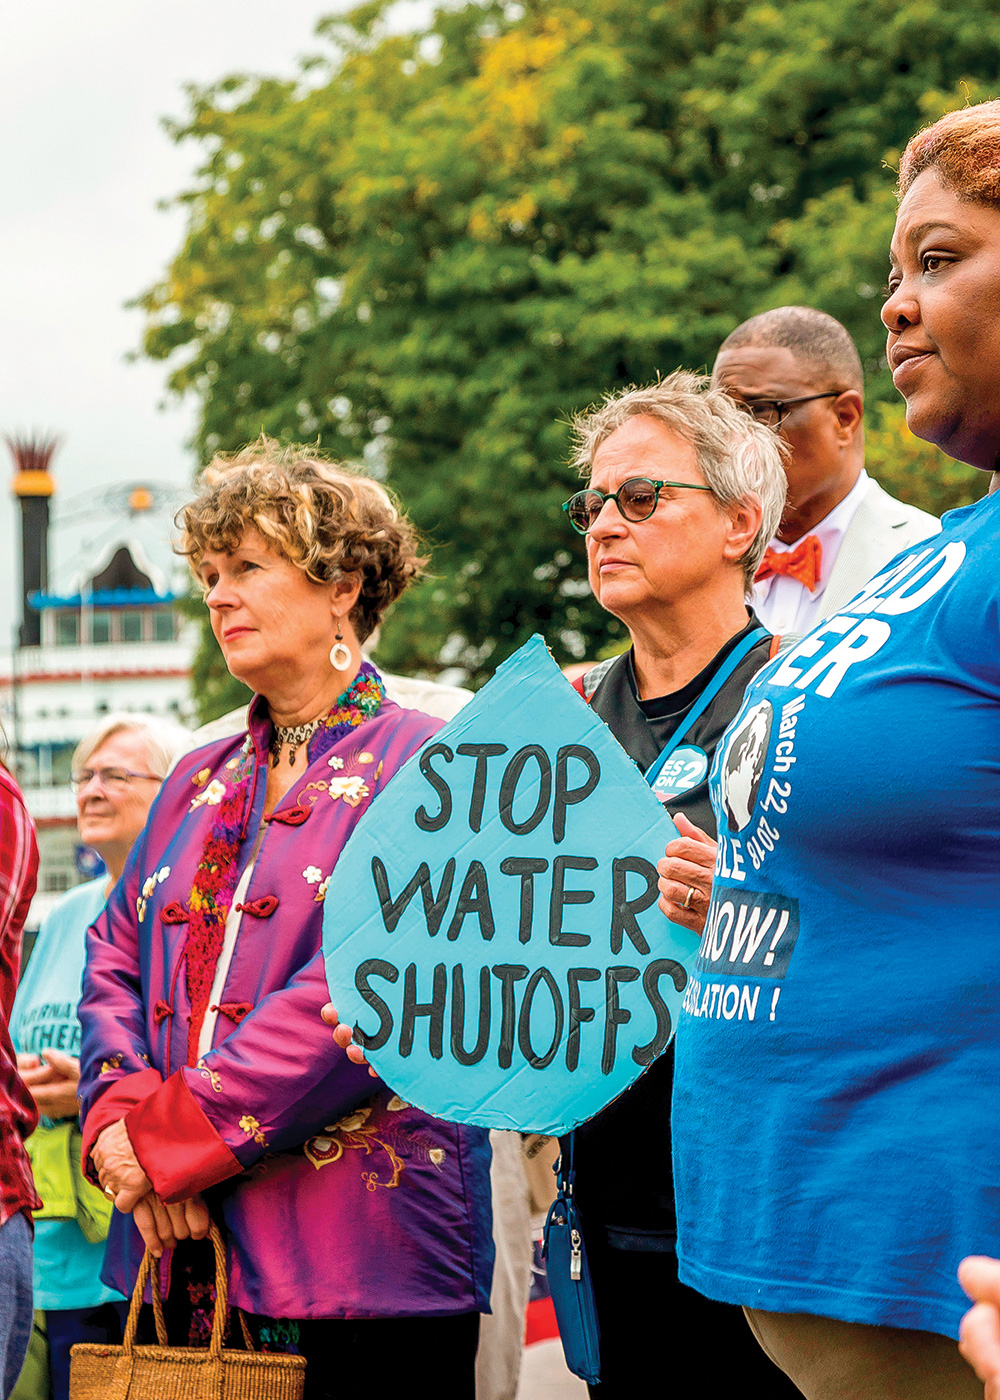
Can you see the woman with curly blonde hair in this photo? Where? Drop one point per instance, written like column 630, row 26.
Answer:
column 209, row 1083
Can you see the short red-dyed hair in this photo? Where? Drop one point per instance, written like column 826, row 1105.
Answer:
column 964, row 148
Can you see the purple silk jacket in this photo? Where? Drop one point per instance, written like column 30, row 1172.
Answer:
column 339, row 1199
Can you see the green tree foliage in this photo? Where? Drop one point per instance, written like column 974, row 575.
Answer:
column 425, row 251
column 912, row 470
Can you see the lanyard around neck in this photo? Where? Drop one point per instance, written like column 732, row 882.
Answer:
column 705, row 699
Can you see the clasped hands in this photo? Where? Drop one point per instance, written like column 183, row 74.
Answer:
column 124, row 1180
column 52, row 1079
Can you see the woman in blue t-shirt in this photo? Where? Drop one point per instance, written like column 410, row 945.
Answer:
column 117, row 771
column 836, row 1152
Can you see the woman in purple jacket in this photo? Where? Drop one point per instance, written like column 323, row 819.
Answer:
column 358, row 1227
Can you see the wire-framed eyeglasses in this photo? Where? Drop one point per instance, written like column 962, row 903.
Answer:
column 636, row 500
column 772, row 412
column 111, row 779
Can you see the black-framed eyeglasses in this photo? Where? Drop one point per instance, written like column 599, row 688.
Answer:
column 772, row 412
column 636, row 500
column 111, row 779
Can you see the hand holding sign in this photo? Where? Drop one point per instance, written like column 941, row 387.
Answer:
column 344, row 1037
column 686, row 875
column 491, row 929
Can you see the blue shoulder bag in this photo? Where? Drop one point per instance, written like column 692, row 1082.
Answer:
column 563, row 1249
column 569, row 1276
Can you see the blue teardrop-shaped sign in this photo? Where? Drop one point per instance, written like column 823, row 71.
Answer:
column 491, row 928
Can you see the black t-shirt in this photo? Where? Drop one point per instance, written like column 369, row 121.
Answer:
column 624, row 1176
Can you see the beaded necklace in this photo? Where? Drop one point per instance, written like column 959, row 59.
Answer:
column 216, row 875
column 295, row 735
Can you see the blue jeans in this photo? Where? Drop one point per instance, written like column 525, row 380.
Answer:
column 15, row 1299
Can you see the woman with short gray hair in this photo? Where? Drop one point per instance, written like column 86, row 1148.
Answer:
column 684, row 490
column 117, row 771
column 739, row 459
column 164, row 740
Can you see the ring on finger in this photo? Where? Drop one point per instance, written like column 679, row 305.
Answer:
column 688, row 897
column 110, row 1192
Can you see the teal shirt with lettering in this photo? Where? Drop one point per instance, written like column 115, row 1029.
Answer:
column 67, row 1266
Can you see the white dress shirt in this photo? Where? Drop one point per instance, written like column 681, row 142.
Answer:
column 783, row 604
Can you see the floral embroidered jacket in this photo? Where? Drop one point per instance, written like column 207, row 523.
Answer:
column 340, row 1200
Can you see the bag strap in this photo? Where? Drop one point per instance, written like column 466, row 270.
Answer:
column 149, row 1272
column 586, row 685
column 705, row 699
column 565, row 1175
column 248, row 1341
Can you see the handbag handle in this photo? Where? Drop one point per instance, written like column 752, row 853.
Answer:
column 149, row 1273
column 565, row 1175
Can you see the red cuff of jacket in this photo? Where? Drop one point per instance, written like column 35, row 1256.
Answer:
column 113, row 1105
column 175, row 1143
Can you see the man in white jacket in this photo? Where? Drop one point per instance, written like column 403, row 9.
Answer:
column 798, row 370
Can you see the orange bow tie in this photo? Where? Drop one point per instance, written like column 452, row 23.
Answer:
column 802, row 563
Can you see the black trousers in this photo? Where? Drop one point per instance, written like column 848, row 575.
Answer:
column 380, row 1356
column 652, row 1326
column 384, row 1356
column 344, row 1357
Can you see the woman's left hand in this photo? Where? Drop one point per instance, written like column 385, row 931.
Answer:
column 343, row 1036
column 161, row 1225
column 118, row 1169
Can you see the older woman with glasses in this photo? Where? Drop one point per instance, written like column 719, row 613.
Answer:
column 684, row 490
column 117, row 772
column 358, row 1227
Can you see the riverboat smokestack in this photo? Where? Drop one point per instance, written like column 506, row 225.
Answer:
column 32, row 486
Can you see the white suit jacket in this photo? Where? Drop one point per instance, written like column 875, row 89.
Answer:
column 882, row 526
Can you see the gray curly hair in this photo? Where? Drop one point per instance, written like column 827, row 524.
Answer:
column 739, row 458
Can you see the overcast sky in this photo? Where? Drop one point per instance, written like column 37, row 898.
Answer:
column 83, row 161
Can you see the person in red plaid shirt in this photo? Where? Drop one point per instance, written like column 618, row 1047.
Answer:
column 18, row 1115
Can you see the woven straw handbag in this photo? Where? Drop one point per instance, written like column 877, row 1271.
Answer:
column 163, row 1372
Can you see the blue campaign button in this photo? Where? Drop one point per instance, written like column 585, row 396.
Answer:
column 684, row 769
